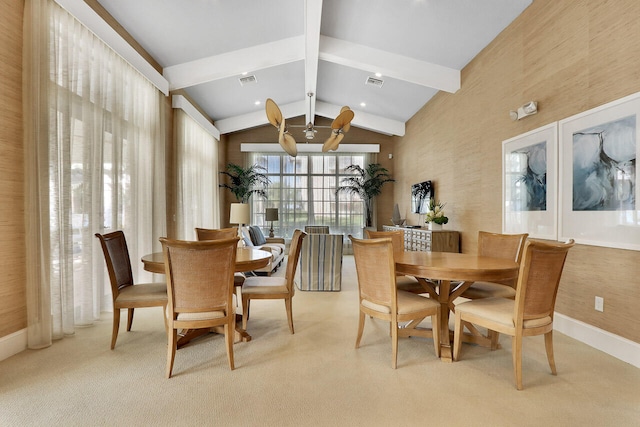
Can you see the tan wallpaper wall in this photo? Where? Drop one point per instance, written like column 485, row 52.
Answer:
column 268, row 134
column 569, row 56
column 13, row 310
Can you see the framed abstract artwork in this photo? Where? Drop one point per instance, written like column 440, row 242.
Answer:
column 598, row 179
column 529, row 183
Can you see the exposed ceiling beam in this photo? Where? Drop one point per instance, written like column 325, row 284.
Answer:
column 235, row 63
column 389, row 64
column 258, row 118
column 313, row 17
column 363, row 120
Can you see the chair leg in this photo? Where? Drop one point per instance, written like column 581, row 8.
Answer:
column 116, row 326
column 164, row 316
column 435, row 330
column 548, row 344
column 172, row 343
column 516, row 350
column 458, row 330
column 229, row 332
column 394, row 345
column 494, row 337
column 245, row 311
column 360, row 329
column 287, row 304
column 129, row 319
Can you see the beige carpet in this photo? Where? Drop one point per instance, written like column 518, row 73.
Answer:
column 312, row 378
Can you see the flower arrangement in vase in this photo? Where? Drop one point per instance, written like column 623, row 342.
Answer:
column 435, row 218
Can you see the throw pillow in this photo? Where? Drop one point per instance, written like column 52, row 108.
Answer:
column 256, row 235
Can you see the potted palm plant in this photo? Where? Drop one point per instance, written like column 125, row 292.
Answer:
column 245, row 182
column 367, row 184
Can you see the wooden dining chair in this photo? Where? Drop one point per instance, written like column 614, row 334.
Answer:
column 495, row 245
column 531, row 313
column 126, row 294
column 200, row 289
column 379, row 296
column 403, row 282
column 218, row 234
column 271, row 287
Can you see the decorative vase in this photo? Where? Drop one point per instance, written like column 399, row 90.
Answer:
column 433, row 226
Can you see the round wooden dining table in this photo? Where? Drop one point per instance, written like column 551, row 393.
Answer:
column 445, row 276
column 247, row 259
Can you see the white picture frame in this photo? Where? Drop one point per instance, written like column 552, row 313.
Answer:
column 529, row 183
column 598, row 180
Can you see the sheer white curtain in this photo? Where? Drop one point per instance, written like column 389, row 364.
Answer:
column 197, row 176
column 94, row 162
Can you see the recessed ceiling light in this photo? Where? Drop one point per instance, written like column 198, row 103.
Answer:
column 378, row 74
column 245, row 73
column 363, row 104
column 257, row 102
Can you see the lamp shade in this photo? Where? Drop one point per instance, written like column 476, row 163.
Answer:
column 239, row 213
column 271, row 214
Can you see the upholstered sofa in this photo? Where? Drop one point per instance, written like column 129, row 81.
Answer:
column 254, row 237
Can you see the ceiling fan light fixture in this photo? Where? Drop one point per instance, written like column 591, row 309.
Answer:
column 309, row 131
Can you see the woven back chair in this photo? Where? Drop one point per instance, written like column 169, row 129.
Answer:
column 531, row 313
column 200, row 289
column 271, row 287
column 380, row 298
column 405, row 283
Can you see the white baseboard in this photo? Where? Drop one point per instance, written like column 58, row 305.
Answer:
column 13, row 344
column 614, row 345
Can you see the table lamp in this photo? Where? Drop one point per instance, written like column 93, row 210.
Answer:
column 239, row 214
column 271, row 215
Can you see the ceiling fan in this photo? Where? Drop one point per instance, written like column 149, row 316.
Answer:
column 339, row 126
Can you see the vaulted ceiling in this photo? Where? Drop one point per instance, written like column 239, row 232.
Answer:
column 314, row 56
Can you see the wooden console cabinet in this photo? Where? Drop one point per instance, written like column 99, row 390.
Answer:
column 421, row 239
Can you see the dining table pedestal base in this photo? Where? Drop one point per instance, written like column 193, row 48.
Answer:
column 446, row 292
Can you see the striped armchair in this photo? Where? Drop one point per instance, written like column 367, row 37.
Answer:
column 316, row 229
column 321, row 263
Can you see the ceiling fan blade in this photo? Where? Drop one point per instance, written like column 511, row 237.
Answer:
column 329, row 142
column 290, row 145
column 343, row 119
column 274, row 115
column 281, row 133
column 346, row 127
column 336, row 142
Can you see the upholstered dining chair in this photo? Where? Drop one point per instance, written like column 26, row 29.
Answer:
column 531, row 313
column 271, row 287
column 123, row 291
column 495, row 245
column 218, row 234
column 200, row 289
column 380, row 297
column 403, row 282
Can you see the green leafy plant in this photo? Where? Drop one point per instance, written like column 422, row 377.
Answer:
column 367, row 184
column 245, row 182
column 436, row 213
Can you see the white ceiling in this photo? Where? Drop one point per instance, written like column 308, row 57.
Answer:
column 328, row 48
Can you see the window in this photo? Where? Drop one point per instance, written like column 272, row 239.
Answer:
column 303, row 188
